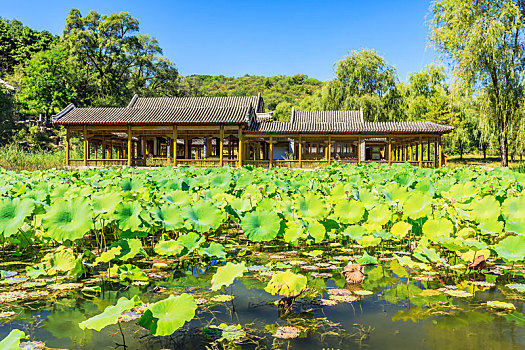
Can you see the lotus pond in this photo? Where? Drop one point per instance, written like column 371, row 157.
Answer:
column 344, row 257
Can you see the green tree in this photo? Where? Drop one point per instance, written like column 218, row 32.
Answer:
column 363, row 80
column 18, row 43
column 6, row 115
column 484, row 40
column 115, row 60
column 45, row 86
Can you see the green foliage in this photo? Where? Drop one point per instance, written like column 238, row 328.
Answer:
column 12, row 340
column 226, row 274
column 261, row 225
column 110, row 315
column 68, row 219
column 286, row 284
column 168, row 315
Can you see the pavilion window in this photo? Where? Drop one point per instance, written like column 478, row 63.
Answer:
column 321, row 149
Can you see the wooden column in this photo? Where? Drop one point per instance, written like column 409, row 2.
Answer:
column 68, row 136
column 144, row 149
column 175, row 137
column 221, row 147
column 239, row 151
column 439, row 152
column 329, row 150
column 300, row 152
column 420, row 156
column 230, row 147
column 359, row 150
column 129, row 145
column 104, row 155
column 271, row 152
column 187, row 154
column 86, row 149
column 411, row 152
column 96, row 149
column 389, row 151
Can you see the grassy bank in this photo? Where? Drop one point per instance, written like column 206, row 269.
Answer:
column 13, row 157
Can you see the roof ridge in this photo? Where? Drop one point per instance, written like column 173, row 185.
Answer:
column 133, row 100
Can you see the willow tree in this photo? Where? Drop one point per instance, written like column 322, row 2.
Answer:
column 484, row 40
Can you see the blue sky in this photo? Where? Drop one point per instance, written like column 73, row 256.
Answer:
column 269, row 37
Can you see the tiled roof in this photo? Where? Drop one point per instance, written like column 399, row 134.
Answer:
column 197, row 102
column 351, row 128
column 186, row 115
column 330, row 117
column 163, row 110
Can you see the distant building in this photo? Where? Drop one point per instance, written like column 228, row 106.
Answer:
column 215, row 131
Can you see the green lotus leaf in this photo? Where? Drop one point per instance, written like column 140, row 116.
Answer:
column 212, row 249
column 349, row 212
column 169, row 216
column 396, row 194
column 316, row 230
column 261, row 225
column 311, row 206
column 240, row 205
column 380, row 214
column 62, row 260
column 131, row 272
column 429, row 253
column 131, row 184
column 34, row 273
column 70, row 219
column 369, row 241
column 400, row 229
column 169, row 247
column 368, row 198
column 226, row 274
column 511, row 248
column 12, row 340
column 462, row 192
column 366, row 259
column 203, row 216
column 485, row 209
column 166, row 316
column 294, row 231
column 496, row 304
column 104, row 203
column 13, row 213
column 190, row 241
column 178, row 197
column 491, row 226
column 516, row 317
column 224, row 332
column 355, row 232
column 129, row 248
column 513, row 208
column 221, row 180
column 418, row 206
column 108, row 255
column 128, row 215
column 110, row 315
column 286, row 284
column 517, row 227
column 435, row 228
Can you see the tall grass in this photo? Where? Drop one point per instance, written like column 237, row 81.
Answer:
column 13, row 157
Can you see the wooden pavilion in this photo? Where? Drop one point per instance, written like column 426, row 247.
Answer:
column 235, row 131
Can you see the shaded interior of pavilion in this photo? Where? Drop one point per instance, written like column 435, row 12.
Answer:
column 102, row 147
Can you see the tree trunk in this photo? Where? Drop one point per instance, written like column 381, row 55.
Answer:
column 485, row 153
column 461, row 152
column 503, row 146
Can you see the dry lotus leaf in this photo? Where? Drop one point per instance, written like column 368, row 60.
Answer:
column 479, row 263
column 344, row 298
column 310, row 267
column 338, row 291
column 32, row 345
column 501, row 305
column 328, row 302
column 354, row 273
column 296, row 262
column 287, row 332
column 482, row 283
column 344, row 258
column 6, row 314
column 457, row 293
column 65, row 286
column 430, row 293
column 321, row 275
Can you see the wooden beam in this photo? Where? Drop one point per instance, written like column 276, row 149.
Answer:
column 221, row 147
column 129, row 145
column 68, row 136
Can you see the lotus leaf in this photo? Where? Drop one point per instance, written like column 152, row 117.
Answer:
column 128, row 215
column 13, row 213
column 311, row 206
column 166, row 316
column 511, row 248
column 418, row 206
column 380, row 214
column 213, row 249
column 261, row 225
column 349, row 212
column 226, row 274
column 70, row 219
column 286, row 284
column 12, row 340
column 203, row 216
column 485, row 209
column 131, row 272
column 436, row 228
column 169, row 247
column 110, row 315
column 169, row 216
column 400, row 229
